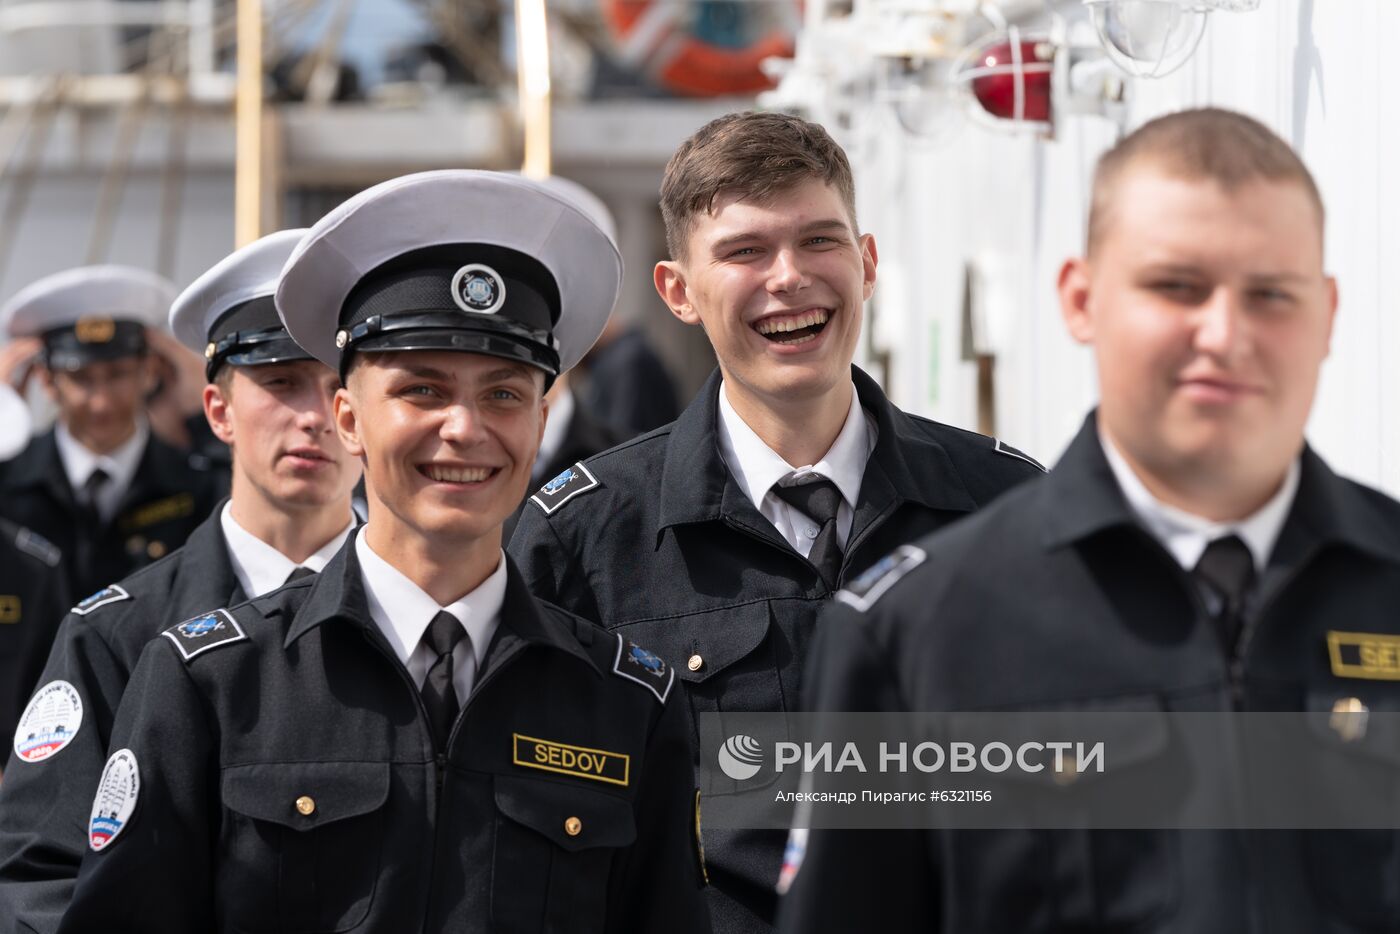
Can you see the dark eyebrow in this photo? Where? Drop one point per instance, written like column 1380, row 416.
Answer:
column 421, row 371
column 508, row 372
column 830, row 223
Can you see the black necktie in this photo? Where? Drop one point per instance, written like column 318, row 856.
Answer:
column 1227, row 569
column 818, row 500
column 439, row 696
column 297, row 574
column 92, row 487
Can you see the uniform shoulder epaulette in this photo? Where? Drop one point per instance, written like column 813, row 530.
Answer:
column 1002, row 448
column 574, row 481
column 206, row 632
column 646, row 668
column 32, row 543
column 872, row 583
column 105, row 596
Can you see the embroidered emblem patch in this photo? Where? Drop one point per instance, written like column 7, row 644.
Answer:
column 872, row 583
column 478, row 288
column 205, row 632
column 106, row 595
column 646, row 668
column 1370, row 655
column 117, row 793
column 599, row 765
column 50, row 722
column 1009, row 451
column 566, row 486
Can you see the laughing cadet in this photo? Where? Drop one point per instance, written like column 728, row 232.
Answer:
column 717, row 539
column 410, row 741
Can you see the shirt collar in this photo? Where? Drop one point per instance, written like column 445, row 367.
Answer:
column 1186, row 535
column 756, row 466
column 479, row 612
column 120, row 465
column 260, row 568
column 561, row 412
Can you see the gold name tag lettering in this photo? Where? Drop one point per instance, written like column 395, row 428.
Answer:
column 1364, row 655
column 172, row 507
column 578, row 761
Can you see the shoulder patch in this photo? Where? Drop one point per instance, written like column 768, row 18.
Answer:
column 106, row 595
column 862, row 592
column 32, row 543
column 206, row 632
column 646, row 668
column 572, row 482
column 1009, row 451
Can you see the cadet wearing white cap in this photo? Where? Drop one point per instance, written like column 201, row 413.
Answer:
column 99, row 486
column 288, row 514
column 409, row 741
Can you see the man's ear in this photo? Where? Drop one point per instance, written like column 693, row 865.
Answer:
column 869, row 259
column 1073, row 287
column 216, row 412
column 669, row 279
column 347, row 425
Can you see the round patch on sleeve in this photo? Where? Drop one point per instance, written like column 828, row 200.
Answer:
column 116, row 799
column 49, row 723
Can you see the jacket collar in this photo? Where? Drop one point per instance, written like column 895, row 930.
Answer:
column 39, row 465
column 1081, row 497
column 338, row 593
column 207, row 577
column 696, row 486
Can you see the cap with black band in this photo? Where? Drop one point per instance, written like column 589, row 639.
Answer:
column 459, row 260
column 228, row 314
column 89, row 314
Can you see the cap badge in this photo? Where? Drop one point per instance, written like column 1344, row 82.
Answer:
column 478, row 288
column 94, row 330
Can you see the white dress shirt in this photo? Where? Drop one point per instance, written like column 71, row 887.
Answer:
column 120, row 465
column 1185, row 535
column 260, row 568
column 403, row 626
column 757, row 467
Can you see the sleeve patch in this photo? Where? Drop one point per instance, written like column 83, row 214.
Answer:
column 572, row 482
column 646, row 668
column 32, row 543
column 49, row 723
column 106, row 595
column 117, row 793
column 862, row 592
column 203, row 633
column 1009, row 451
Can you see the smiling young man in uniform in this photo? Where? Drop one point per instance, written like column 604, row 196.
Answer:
column 288, row 513
column 716, row 540
column 1188, row 552
column 409, row 741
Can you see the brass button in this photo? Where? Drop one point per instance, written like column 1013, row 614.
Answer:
column 1348, row 719
column 156, row 550
column 695, row 663
column 573, row 826
column 306, row 805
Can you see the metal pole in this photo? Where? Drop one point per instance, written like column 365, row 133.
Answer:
column 532, row 76
column 248, row 126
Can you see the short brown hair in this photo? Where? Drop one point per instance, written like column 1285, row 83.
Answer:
column 1211, row 144
column 754, row 155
